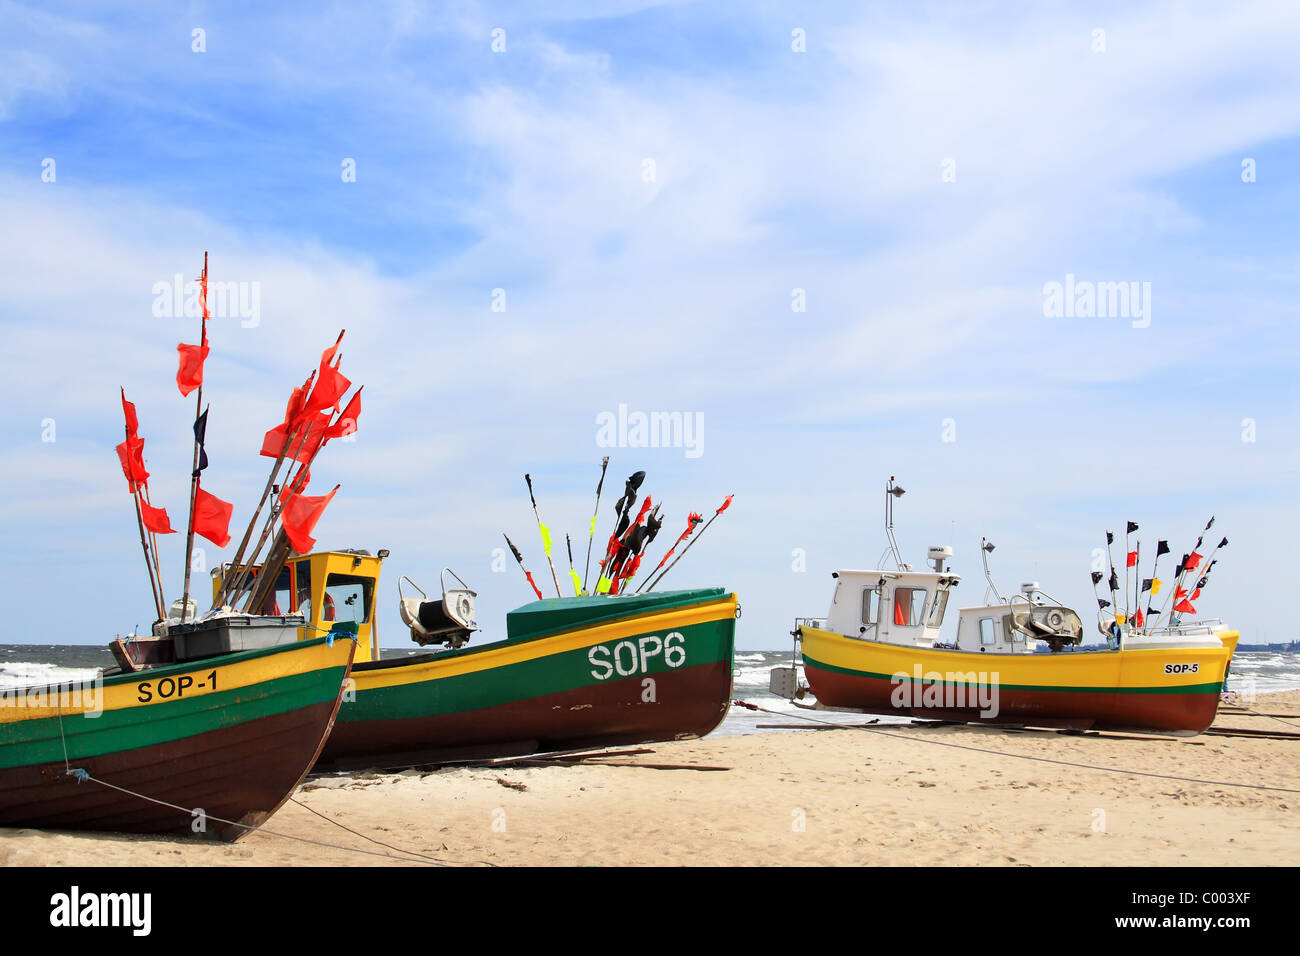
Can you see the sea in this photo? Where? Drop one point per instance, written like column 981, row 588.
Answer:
column 24, row 664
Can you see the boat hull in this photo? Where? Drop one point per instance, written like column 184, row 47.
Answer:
column 653, row 675
column 231, row 736
column 1153, row 690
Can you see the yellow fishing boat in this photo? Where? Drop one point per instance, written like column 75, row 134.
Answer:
column 1013, row 660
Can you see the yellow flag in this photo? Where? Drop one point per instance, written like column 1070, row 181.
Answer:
column 1155, row 586
column 603, row 585
column 546, row 538
column 577, row 582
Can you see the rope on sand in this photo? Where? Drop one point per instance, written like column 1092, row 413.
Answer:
column 1003, row 753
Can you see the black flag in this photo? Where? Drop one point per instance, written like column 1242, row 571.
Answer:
column 1146, row 585
column 1162, row 547
column 1223, row 543
column 1132, row 526
column 1096, row 576
column 200, row 431
column 1110, row 538
column 1211, row 524
column 1102, row 604
column 624, row 504
column 1114, row 581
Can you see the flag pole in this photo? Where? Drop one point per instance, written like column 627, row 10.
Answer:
column 692, row 521
column 252, row 522
column 302, row 432
column 623, row 508
column 519, row 558
column 546, row 536
column 154, row 585
column 194, row 477
column 1114, row 580
column 725, row 505
column 279, row 552
column 577, row 584
column 1182, row 572
column 591, row 536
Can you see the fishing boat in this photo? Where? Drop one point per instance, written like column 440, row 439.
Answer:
column 575, row 672
column 209, row 746
column 1014, row 660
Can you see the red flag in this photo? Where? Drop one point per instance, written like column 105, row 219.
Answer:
column 156, row 520
column 1179, row 593
column 299, row 514
column 1137, row 618
column 347, row 422
column 1132, row 558
column 212, row 517
column 189, row 375
column 1193, row 560
column 131, row 454
column 330, row 382
column 304, row 442
column 128, row 411
column 1184, row 607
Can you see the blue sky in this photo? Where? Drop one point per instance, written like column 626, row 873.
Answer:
column 774, row 170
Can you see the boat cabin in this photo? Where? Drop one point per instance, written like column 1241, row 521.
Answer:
column 897, row 607
column 325, row 587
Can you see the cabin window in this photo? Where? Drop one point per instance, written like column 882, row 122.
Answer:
column 936, row 610
column 347, row 598
column 870, row 605
column 988, row 636
column 302, row 571
column 908, row 605
column 277, row 602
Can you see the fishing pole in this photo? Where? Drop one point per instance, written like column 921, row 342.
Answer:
column 591, row 535
column 520, row 558
column 577, row 584
column 546, row 536
column 691, row 522
column 724, row 506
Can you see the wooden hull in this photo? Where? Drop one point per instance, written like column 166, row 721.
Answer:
column 654, row 674
column 1158, row 690
column 231, row 736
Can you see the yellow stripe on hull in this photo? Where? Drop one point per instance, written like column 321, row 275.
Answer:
column 171, row 683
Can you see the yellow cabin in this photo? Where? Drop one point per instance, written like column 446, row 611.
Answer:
column 325, row 587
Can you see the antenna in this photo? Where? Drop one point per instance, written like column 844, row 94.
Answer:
column 893, row 491
column 986, row 548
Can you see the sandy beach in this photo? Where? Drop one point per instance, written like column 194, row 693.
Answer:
column 839, row 797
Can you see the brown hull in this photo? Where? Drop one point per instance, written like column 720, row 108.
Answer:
column 1183, row 714
column 691, row 702
column 255, row 764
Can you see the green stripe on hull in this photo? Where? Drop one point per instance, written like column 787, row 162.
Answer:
column 705, row 643
column 30, row 742
column 1210, row 688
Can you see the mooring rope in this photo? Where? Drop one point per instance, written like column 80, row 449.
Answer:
column 1003, row 753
